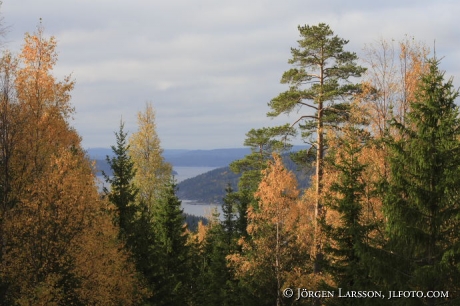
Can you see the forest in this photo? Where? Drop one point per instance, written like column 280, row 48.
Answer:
column 378, row 225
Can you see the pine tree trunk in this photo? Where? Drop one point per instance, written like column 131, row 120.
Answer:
column 319, row 180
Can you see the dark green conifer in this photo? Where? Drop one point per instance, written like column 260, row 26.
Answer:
column 348, row 235
column 122, row 192
column 229, row 225
column 421, row 198
column 171, row 277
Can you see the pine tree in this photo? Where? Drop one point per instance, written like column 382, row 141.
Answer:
column 322, row 63
column 122, row 191
column 421, row 195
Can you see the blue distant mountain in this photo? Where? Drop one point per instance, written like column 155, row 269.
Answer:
column 204, row 158
column 183, row 158
column 188, row 158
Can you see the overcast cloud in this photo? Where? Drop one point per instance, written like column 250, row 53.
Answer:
column 208, row 67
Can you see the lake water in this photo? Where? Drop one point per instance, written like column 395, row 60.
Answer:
column 201, row 210
column 190, row 207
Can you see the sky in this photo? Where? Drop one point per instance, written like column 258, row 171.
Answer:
column 209, row 67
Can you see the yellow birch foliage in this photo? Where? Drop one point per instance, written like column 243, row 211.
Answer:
column 274, row 254
column 59, row 246
column 152, row 172
column 45, row 109
column 389, row 87
column 9, row 112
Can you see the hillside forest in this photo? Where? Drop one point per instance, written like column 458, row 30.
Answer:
column 379, row 223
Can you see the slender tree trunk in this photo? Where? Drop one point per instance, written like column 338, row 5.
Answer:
column 277, row 264
column 319, row 179
column 319, row 186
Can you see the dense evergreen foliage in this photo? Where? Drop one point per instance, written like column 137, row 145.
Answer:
column 193, row 221
column 122, row 191
column 171, row 279
column 421, row 195
column 348, row 233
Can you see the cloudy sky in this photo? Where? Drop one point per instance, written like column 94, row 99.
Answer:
column 208, row 66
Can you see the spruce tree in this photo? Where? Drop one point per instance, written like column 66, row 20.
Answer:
column 421, row 197
column 348, row 234
column 229, row 224
column 122, row 191
column 215, row 284
column 171, row 276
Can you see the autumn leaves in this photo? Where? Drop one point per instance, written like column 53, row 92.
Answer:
column 59, row 244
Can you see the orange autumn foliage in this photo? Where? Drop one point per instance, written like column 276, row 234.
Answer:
column 275, row 251
column 59, row 246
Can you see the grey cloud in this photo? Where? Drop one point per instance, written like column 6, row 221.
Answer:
column 209, row 67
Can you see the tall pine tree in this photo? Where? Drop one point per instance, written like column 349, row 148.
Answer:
column 318, row 83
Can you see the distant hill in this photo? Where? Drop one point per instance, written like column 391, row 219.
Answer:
column 99, row 153
column 210, row 187
column 102, row 165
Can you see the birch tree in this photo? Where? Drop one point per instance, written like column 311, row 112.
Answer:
column 272, row 250
column 152, row 171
